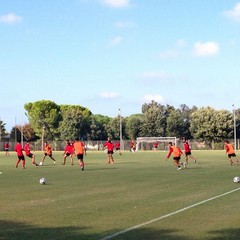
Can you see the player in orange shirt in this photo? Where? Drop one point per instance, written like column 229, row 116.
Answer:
column 177, row 152
column 47, row 152
column 230, row 152
column 80, row 150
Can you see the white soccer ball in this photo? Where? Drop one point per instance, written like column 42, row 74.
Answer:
column 236, row 179
column 42, row 180
column 40, row 164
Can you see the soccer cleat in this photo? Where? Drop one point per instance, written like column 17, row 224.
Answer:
column 179, row 168
column 54, row 162
column 185, row 165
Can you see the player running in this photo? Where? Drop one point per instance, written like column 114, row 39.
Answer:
column 177, row 152
column 187, row 150
column 48, row 152
column 80, row 150
column 19, row 150
column 230, row 152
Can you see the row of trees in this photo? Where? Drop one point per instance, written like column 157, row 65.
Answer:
column 60, row 122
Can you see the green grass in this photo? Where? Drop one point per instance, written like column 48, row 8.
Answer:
column 105, row 199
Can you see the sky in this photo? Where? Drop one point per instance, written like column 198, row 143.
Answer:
column 112, row 56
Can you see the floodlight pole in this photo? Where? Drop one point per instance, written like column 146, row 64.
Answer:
column 120, row 129
column 234, row 127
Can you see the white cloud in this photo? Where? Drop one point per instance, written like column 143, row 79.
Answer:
column 234, row 13
column 116, row 3
column 156, row 98
column 204, row 49
column 10, row 18
column 116, row 40
column 109, row 95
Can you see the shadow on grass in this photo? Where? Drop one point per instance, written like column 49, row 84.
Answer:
column 226, row 234
column 152, row 234
column 10, row 230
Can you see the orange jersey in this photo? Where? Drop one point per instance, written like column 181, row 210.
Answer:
column 79, row 147
column 177, row 152
column 48, row 149
column 229, row 148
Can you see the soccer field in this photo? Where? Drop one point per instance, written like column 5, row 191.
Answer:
column 141, row 196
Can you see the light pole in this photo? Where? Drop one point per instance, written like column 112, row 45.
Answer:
column 120, row 129
column 234, row 127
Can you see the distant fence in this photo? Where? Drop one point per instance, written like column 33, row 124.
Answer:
column 145, row 146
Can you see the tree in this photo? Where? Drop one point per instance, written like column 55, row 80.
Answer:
column 210, row 124
column 44, row 117
column 75, row 121
column 98, row 127
column 133, row 126
column 153, row 119
column 3, row 131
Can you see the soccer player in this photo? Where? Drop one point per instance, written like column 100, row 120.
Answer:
column 48, row 152
column 69, row 150
column 6, row 147
column 29, row 154
column 132, row 146
column 177, row 152
column 188, row 152
column 19, row 150
column 155, row 146
column 80, row 150
column 230, row 152
column 110, row 147
column 117, row 147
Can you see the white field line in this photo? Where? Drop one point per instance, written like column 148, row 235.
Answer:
column 167, row 215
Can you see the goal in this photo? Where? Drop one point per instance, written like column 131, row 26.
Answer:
column 147, row 143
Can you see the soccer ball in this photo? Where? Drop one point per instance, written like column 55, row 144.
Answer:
column 236, row 179
column 42, row 180
column 40, row 164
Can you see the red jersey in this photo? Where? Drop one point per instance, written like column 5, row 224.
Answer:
column 27, row 148
column 109, row 145
column 69, row 149
column 48, row 149
column 6, row 145
column 117, row 145
column 177, row 152
column 18, row 149
column 187, row 147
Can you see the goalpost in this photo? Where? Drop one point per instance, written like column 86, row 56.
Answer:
column 145, row 143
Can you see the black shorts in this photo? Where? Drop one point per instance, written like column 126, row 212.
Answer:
column 110, row 152
column 30, row 155
column 21, row 158
column 177, row 158
column 231, row 155
column 67, row 154
column 45, row 154
column 80, row 156
column 188, row 153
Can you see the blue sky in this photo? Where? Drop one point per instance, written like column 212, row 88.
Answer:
column 108, row 55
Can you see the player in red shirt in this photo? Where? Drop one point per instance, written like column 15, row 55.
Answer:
column 188, row 152
column 29, row 154
column 69, row 150
column 177, row 152
column 118, row 147
column 110, row 147
column 6, row 147
column 19, row 150
column 155, row 146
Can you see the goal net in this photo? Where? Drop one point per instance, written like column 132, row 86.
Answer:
column 154, row 143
